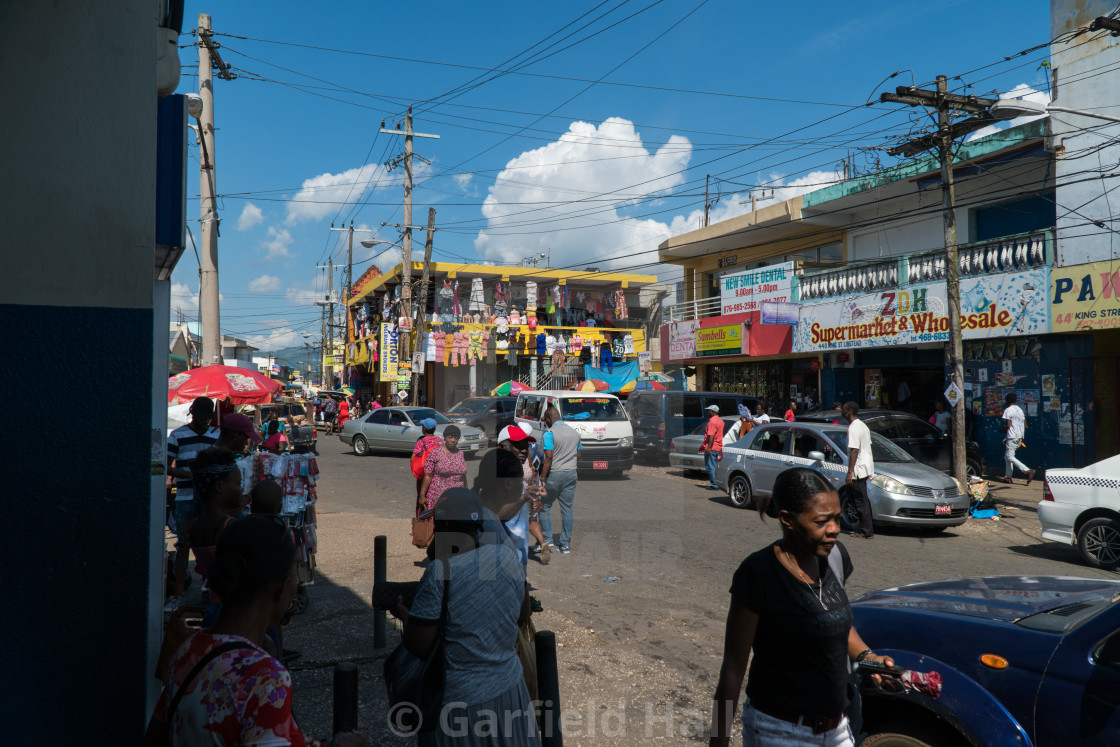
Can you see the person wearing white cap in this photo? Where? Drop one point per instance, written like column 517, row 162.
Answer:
column 518, row 439
column 712, row 448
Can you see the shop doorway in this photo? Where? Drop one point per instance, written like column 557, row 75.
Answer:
column 912, row 389
column 1093, row 414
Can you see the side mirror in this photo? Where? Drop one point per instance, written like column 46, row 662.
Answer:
column 816, row 456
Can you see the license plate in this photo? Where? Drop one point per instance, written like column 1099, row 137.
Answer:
column 598, row 465
column 942, row 509
column 474, row 447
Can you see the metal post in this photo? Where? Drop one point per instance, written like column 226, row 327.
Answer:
column 330, row 317
column 548, row 689
column 208, row 257
column 345, row 697
column 379, row 555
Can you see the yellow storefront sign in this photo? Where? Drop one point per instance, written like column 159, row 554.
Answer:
column 1085, row 297
column 725, row 340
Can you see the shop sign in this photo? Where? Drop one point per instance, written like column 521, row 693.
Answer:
column 779, row 313
column 645, row 363
column 682, row 340
column 815, row 364
column 843, row 357
column 723, row 340
column 1002, row 305
column 741, row 292
column 387, row 366
column 729, row 261
column 1085, row 297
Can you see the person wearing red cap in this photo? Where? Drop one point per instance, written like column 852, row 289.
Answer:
column 518, row 439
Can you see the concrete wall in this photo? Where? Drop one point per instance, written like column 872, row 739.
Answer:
column 1078, row 67
column 76, row 297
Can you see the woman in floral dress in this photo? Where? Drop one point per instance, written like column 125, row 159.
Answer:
column 428, row 440
column 445, row 468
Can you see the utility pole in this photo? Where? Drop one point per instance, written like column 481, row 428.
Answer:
column 942, row 141
column 349, row 282
column 707, row 203
column 330, row 317
column 422, row 301
column 406, row 244
column 209, row 59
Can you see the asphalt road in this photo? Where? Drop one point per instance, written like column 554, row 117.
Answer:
column 638, row 606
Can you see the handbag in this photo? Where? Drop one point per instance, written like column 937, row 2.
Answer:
column 419, row 682
column 419, row 460
column 423, row 530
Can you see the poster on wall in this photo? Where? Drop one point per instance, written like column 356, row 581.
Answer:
column 741, row 292
column 1049, row 386
column 1085, row 297
column 645, row 363
column 387, row 366
column 779, row 313
column 995, row 306
column 682, row 340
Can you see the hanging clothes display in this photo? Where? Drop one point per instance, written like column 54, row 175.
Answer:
column 474, row 346
column 617, row 348
column 478, row 296
column 456, row 307
column 585, row 355
column 542, row 342
column 514, row 317
column 628, row 344
column 577, row 344
column 429, row 347
column 620, row 309
column 501, row 298
column 444, row 301
column 530, row 297
column 511, row 359
column 606, row 360
column 501, row 337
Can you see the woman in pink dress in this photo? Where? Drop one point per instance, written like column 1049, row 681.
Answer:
column 428, row 440
column 445, row 468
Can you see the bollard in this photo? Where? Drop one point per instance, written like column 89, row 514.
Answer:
column 548, row 687
column 345, row 697
column 379, row 545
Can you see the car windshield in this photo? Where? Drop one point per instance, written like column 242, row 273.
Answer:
column 425, row 413
column 470, row 406
column 591, row 408
column 882, row 450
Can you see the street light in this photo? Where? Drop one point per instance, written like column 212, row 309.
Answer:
column 1014, row 108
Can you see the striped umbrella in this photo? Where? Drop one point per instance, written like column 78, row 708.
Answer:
column 593, row 385
column 510, row 388
column 660, row 378
column 640, row 385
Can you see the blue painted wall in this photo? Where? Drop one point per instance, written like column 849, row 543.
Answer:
column 77, row 494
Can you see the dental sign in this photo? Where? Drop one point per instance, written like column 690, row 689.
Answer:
column 1003, row 305
column 747, row 291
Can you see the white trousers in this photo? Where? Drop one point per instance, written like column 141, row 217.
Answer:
column 1009, row 460
column 760, row 730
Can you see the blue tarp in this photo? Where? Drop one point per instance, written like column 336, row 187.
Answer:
column 623, row 374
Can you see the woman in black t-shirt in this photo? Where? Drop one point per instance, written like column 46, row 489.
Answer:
column 789, row 606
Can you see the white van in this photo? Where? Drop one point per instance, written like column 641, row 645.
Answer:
column 606, row 436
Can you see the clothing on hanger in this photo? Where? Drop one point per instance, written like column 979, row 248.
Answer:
column 542, row 343
column 530, row 296
column 628, row 344
column 478, row 296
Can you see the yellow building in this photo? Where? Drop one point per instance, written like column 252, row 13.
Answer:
column 505, row 324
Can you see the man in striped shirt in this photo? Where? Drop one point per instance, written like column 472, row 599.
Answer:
column 183, row 446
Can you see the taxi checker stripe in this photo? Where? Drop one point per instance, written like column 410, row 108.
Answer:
column 1090, row 482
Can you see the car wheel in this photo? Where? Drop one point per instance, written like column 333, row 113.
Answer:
column 973, row 468
column 850, row 515
column 1099, row 542
column 740, row 492
column 361, row 447
column 909, row 734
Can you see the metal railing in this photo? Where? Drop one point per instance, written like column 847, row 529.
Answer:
column 691, row 310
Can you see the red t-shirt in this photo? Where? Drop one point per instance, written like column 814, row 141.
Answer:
column 714, row 433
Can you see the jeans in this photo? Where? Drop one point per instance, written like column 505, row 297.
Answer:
column 711, row 459
column 760, row 730
column 184, row 512
column 1009, row 460
column 561, row 487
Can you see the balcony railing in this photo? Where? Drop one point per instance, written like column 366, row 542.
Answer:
column 1024, row 251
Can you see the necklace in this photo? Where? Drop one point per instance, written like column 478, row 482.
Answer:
column 807, row 580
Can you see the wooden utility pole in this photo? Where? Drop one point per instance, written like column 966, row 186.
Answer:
column 406, row 243
column 942, row 141
column 422, row 301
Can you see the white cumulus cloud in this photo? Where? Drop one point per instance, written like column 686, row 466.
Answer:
column 278, row 245
column 264, row 284
column 251, row 216
column 277, row 339
column 322, row 195
column 590, row 163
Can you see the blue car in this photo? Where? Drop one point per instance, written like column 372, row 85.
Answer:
column 1030, row 661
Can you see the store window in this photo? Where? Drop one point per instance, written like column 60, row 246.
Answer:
column 1019, row 216
column 767, row 381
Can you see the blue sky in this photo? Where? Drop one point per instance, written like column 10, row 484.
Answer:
column 556, row 156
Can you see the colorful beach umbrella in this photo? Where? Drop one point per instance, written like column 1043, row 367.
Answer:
column 660, row 378
column 593, row 385
column 640, row 385
column 510, row 388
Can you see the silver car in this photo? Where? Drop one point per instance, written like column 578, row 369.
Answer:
column 684, row 451
column 903, row 492
column 397, row 428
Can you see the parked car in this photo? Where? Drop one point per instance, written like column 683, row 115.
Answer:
column 1082, row 507
column 605, row 436
column 488, row 414
column 903, row 492
column 1024, row 660
column 685, row 453
column 658, row 417
column 921, row 439
column 397, row 428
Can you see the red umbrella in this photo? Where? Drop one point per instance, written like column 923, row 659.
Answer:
column 593, row 385
column 243, row 386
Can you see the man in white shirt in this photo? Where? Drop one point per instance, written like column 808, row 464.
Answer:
column 1014, row 428
column 861, row 467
